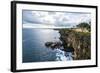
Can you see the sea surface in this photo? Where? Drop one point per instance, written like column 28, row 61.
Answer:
column 34, row 49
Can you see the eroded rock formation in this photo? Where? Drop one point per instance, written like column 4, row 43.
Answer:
column 80, row 41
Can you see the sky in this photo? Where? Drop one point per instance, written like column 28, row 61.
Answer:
column 53, row 19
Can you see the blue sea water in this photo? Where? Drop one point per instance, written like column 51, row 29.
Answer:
column 34, row 49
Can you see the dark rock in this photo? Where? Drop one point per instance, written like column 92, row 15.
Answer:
column 53, row 45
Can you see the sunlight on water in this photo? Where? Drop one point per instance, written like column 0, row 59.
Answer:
column 34, row 49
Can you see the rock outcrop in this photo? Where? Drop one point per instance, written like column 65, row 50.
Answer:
column 80, row 41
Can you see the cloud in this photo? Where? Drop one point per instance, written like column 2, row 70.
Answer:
column 55, row 18
column 30, row 17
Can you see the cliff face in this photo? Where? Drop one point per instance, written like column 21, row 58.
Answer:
column 80, row 41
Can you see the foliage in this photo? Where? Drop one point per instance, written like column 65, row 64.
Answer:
column 81, row 42
column 84, row 25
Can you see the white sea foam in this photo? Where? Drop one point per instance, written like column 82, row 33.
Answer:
column 63, row 56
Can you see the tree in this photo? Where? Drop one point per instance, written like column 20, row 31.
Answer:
column 84, row 25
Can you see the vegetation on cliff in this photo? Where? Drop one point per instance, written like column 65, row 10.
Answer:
column 80, row 41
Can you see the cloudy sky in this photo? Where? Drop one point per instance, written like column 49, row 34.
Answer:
column 53, row 19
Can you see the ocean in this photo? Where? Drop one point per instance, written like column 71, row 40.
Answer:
column 34, row 49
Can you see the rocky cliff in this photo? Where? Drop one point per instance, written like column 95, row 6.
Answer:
column 80, row 41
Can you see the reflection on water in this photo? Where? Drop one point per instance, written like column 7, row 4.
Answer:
column 34, row 49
